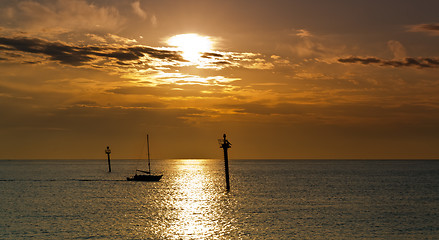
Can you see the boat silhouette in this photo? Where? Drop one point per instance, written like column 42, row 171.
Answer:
column 146, row 176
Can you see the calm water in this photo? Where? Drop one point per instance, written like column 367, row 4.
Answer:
column 269, row 199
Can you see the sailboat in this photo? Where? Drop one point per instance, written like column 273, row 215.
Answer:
column 145, row 176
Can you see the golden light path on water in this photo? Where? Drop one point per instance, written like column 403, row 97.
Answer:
column 193, row 200
column 194, row 204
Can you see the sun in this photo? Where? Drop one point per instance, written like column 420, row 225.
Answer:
column 192, row 45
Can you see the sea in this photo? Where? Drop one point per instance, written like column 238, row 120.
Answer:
column 268, row 199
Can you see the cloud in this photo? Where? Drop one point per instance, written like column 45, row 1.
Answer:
column 337, row 113
column 212, row 55
column 305, row 44
column 56, row 51
column 143, row 14
column 260, row 64
column 81, row 55
column 359, row 60
column 173, row 90
column 420, row 62
column 60, row 17
column 108, row 38
column 154, row 20
column 430, row 28
column 138, row 10
column 96, row 38
column 119, row 39
column 303, row 33
column 124, row 53
column 397, row 49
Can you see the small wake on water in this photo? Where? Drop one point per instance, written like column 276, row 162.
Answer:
column 99, row 180
column 62, row 180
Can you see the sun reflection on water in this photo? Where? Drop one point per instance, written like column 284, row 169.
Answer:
column 198, row 205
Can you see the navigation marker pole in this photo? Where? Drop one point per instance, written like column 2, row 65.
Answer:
column 225, row 144
column 108, row 151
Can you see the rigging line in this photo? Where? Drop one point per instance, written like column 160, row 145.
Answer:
column 149, row 159
column 141, row 154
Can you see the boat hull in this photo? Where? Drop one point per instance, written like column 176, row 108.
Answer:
column 145, row 178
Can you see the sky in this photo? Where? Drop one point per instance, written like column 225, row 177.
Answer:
column 284, row 79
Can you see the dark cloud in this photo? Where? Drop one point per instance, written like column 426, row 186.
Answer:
column 78, row 55
column 432, row 28
column 55, row 50
column 222, row 62
column 407, row 62
column 212, row 55
column 156, row 53
column 121, row 55
column 359, row 60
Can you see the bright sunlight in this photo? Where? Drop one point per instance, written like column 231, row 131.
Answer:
column 192, row 45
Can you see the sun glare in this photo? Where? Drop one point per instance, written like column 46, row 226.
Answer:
column 192, row 45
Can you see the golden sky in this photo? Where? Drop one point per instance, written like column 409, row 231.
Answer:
column 284, row 79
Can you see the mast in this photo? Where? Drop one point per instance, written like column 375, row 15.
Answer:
column 108, row 151
column 225, row 144
column 149, row 160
